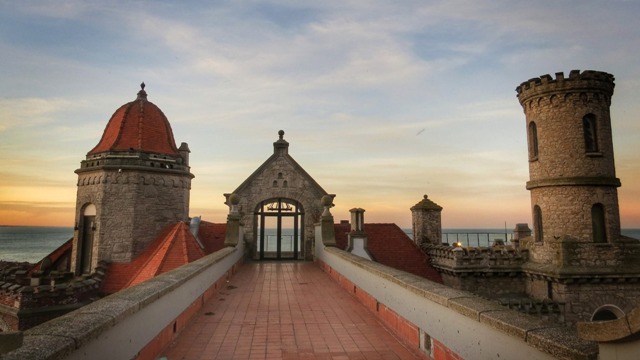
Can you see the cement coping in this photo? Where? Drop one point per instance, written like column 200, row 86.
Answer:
column 557, row 340
column 60, row 337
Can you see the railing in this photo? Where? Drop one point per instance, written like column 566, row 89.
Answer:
column 477, row 239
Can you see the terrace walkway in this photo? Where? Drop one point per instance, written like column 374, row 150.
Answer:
column 278, row 310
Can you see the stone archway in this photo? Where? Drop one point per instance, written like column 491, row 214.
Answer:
column 280, row 230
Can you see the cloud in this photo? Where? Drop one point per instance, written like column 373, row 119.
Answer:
column 30, row 111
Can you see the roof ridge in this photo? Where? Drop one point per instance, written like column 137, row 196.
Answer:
column 153, row 255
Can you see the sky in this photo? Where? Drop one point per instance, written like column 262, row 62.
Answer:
column 381, row 101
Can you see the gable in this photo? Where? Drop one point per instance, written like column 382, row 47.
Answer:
column 280, row 175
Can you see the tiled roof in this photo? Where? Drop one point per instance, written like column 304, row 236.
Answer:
column 391, row 246
column 140, row 126
column 212, row 236
column 174, row 247
column 57, row 259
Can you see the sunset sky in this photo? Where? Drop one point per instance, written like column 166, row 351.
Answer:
column 381, row 101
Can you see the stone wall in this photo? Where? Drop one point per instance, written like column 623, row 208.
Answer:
column 25, row 306
column 132, row 208
column 281, row 179
column 280, row 176
column 491, row 272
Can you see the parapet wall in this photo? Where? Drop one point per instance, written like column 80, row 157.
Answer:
column 444, row 321
column 585, row 81
column 137, row 322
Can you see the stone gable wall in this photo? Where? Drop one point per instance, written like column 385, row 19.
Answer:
column 281, row 179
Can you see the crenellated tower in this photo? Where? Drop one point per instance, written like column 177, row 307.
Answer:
column 573, row 180
column 577, row 245
column 132, row 184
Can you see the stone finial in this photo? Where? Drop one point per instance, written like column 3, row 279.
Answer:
column 234, row 200
column 281, row 146
column 326, row 202
column 426, row 204
column 142, row 95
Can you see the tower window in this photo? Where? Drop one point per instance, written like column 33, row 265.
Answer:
column 537, row 224
column 589, row 128
column 598, row 224
column 533, row 141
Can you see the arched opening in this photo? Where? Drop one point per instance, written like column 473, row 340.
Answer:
column 606, row 313
column 533, row 141
column 280, row 224
column 87, row 229
column 537, row 224
column 590, row 136
column 598, row 224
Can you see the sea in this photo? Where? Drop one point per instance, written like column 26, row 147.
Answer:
column 33, row 243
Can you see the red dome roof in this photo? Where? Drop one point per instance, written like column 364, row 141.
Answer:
column 140, row 126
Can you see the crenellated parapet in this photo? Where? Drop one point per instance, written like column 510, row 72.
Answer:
column 458, row 260
column 588, row 85
column 27, row 301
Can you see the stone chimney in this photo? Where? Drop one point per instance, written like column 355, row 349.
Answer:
column 426, row 220
column 357, row 237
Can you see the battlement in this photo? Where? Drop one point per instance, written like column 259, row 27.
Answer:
column 585, row 81
column 39, row 298
column 458, row 259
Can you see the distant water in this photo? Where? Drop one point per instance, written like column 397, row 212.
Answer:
column 485, row 237
column 31, row 243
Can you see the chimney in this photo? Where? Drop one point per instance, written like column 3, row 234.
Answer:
column 357, row 237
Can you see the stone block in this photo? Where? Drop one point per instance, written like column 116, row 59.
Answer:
column 562, row 343
column 473, row 306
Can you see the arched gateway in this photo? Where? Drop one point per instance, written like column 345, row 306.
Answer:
column 278, row 204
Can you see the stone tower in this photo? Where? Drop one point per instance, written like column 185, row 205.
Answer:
column 574, row 199
column 426, row 222
column 131, row 186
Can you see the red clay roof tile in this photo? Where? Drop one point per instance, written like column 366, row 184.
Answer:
column 139, row 125
column 391, row 246
column 174, row 247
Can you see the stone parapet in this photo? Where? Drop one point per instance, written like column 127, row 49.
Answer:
column 135, row 322
column 38, row 299
column 467, row 325
column 546, row 85
column 456, row 260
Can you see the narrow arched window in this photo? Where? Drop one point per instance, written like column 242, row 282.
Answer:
column 537, row 224
column 589, row 128
column 598, row 224
column 533, row 141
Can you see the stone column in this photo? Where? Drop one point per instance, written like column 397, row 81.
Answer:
column 232, row 235
column 326, row 222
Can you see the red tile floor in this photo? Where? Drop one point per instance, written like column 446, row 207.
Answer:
column 285, row 311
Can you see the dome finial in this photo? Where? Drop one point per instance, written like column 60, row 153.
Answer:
column 142, row 94
column 281, row 134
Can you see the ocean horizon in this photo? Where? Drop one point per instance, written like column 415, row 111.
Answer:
column 33, row 243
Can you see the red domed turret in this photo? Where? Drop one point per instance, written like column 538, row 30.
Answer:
column 139, row 126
